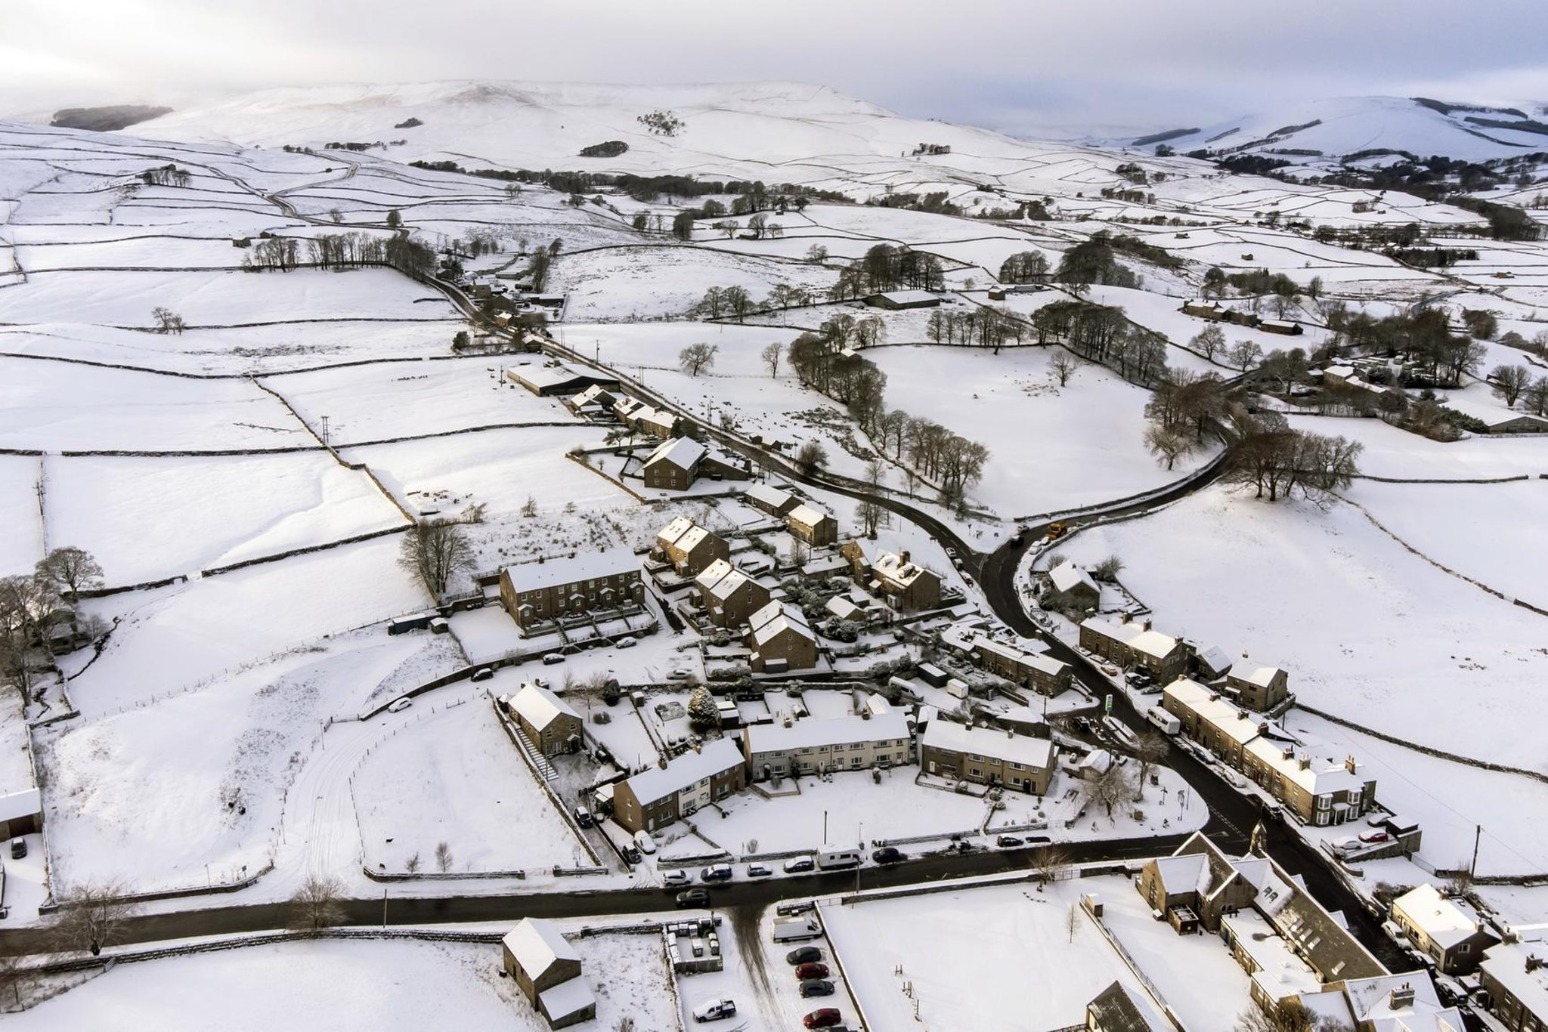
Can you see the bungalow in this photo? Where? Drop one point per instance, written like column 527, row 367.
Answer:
column 1074, row 587
column 689, row 547
column 904, row 583
column 1130, row 644
column 1519, row 423
column 550, row 588
column 896, row 300
column 812, row 525
column 674, row 464
column 728, row 595
column 1258, row 687
column 658, row 796
column 547, row 970
column 780, row 639
column 1514, row 976
column 1442, row 930
column 770, row 499
column 988, row 756
column 549, row 722
column 823, row 745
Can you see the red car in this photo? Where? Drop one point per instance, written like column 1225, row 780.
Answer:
column 823, row 1017
column 811, row 969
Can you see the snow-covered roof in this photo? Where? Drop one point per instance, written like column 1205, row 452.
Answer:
column 567, row 998
column 540, row 707
column 772, row 497
column 695, row 536
column 1067, row 575
column 807, row 516
column 909, row 297
column 713, row 758
column 1438, row 917
column 25, row 803
column 825, row 566
column 1214, row 659
column 1253, row 673
column 1240, row 725
column 775, row 618
column 845, row 609
column 1121, row 1009
column 1316, row 778
column 896, row 570
column 1187, row 872
column 1507, row 964
column 682, row 452
column 1279, row 972
column 814, row 733
column 678, row 526
column 595, row 393
column 1135, row 635
column 997, row 745
column 1032, row 660
column 582, row 566
column 537, row 946
column 1400, row 1003
column 658, row 419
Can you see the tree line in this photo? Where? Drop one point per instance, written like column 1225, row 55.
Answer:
column 34, row 606
column 1104, row 334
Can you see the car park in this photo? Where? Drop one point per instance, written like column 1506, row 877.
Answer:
column 889, row 855
column 803, row 955
column 811, row 969
column 693, row 898
column 816, row 987
column 823, row 1017
column 759, row 871
column 711, row 1010
column 399, row 705
column 716, row 872
column 677, row 877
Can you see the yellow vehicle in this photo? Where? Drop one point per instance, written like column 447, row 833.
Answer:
column 1056, row 530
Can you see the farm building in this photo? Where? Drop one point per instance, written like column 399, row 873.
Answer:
column 896, row 300
column 547, row 970
column 770, row 499
column 551, row 379
column 549, row 722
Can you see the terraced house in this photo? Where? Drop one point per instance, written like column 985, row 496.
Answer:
column 572, row 586
column 817, row 746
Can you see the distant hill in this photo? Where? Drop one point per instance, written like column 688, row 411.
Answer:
column 1327, row 133
column 106, row 119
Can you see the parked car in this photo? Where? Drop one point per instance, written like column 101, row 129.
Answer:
column 629, row 643
column 583, row 817
column 759, row 870
column 631, row 854
column 716, row 872
column 552, row 658
column 800, row 865
column 679, row 674
column 693, row 898
column 399, row 705
column 645, row 842
column 677, row 877
column 483, row 673
column 18, row 848
column 803, row 955
column 811, row 969
column 1377, row 835
column 710, row 1010
column 1009, row 842
column 889, row 855
column 823, row 1017
column 816, row 987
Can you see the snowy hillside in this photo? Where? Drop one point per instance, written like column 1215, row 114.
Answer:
column 1337, row 128
column 733, row 129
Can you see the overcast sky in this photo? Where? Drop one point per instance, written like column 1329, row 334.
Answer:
column 1015, row 65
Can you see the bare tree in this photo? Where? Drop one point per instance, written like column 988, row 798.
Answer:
column 771, row 354
column 167, row 321
column 1049, row 863
column 412, row 864
column 1290, row 1016
column 1111, row 787
column 1168, row 444
column 1210, row 341
column 1152, row 749
column 1535, row 397
column 1072, row 920
column 817, row 254
column 318, row 904
column 1244, row 354
column 70, row 569
column 529, row 508
column 696, row 358
column 811, row 457
column 1063, row 367
column 91, row 918
column 1108, row 569
column 436, row 551
column 443, row 857
column 1510, row 382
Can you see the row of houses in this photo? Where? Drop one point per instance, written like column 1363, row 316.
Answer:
column 878, row 736
column 1219, row 311
column 577, row 585
column 1318, row 792
column 1022, row 664
column 1136, row 645
column 805, row 522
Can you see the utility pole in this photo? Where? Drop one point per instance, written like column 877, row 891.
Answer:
column 1472, row 869
column 384, row 906
column 325, row 431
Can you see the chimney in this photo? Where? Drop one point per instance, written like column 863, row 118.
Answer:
column 1403, row 996
column 1305, row 761
column 1146, row 624
column 1533, row 963
column 1288, row 752
column 1262, row 727
column 1125, row 618
column 903, row 557
column 1350, row 765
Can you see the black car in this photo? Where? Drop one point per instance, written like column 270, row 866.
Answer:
column 693, row 898
column 631, row 854
column 1009, row 842
column 816, row 987
column 804, row 955
column 889, row 855
column 18, row 848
